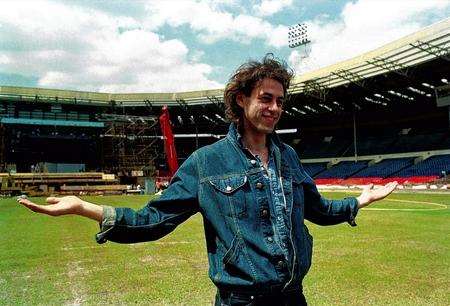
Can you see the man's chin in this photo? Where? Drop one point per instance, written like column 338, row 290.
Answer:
column 266, row 130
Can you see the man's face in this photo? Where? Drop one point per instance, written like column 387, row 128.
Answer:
column 263, row 108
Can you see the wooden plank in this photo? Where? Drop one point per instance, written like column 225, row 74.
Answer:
column 94, row 188
column 63, row 181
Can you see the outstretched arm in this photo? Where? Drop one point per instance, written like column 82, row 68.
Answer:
column 327, row 212
column 69, row 205
column 125, row 225
column 370, row 195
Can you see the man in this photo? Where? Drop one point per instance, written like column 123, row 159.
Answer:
column 252, row 192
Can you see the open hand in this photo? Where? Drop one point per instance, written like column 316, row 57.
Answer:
column 56, row 206
column 370, row 195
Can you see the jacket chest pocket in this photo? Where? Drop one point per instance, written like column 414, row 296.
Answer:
column 230, row 195
column 297, row 189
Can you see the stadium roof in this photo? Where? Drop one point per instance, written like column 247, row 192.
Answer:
column 419, row 47
column 425, row 45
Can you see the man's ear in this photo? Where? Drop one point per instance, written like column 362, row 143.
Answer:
column 240, row 99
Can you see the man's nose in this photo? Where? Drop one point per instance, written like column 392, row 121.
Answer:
column 274, row 106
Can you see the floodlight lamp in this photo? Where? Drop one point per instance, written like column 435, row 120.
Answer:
column 298, row 35
column 428, row 85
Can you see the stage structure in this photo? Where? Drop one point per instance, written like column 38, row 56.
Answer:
column 129, row 144
column 2, row 148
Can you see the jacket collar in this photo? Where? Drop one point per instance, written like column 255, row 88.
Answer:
column 235, row 137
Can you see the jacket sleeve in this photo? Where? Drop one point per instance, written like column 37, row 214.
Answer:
column 320, row 210
column 327, row 212
column 159, row 217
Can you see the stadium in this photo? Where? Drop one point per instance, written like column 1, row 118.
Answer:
column 380, row 117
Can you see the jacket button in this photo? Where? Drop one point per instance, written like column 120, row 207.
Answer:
column 228, row 188
column 253, row 162
column 270, row 239
column 264, row 213
column 259, row 185
column 280, row 264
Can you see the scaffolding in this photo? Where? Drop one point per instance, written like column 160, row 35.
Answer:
column 2, row 148
column 130, row 143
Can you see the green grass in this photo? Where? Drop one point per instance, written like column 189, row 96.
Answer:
column 394, row 257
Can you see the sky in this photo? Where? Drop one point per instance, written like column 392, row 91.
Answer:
column 184, row 45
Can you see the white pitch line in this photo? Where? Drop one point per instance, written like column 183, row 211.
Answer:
column 130, row 245
column 440, row 206
column 80, row 247
column 173, row 242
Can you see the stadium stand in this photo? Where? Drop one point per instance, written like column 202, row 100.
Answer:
column 314, row 169
column 385, row 168
column 374, row 144
column 433, row 166
column 343, row 170
column 444, row 142
column 414, row 143
column 402, row 170
column 327, row 147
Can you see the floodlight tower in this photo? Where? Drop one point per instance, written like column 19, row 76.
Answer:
column 298, row 36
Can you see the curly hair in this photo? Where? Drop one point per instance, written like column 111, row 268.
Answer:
column 247, row 77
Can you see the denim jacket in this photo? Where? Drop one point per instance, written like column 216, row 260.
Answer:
column 221, row 183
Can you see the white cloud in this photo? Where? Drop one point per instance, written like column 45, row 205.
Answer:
column 197, row 55
column 72, row 47
column 270, row 7
column 363, row 26
column 4, row 59
column 213, row 23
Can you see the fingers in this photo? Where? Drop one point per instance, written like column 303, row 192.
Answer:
column 32, row 206
column 387, row 189
column 23, row 199
column 44, row 209
column 391, row 186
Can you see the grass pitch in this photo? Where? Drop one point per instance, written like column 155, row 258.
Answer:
column 399, row 256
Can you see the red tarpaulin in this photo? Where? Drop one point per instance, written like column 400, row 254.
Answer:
column 169, row 143
column 376, row 180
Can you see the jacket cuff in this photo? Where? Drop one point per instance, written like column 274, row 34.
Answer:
column 353, row 211
column 107, row 224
